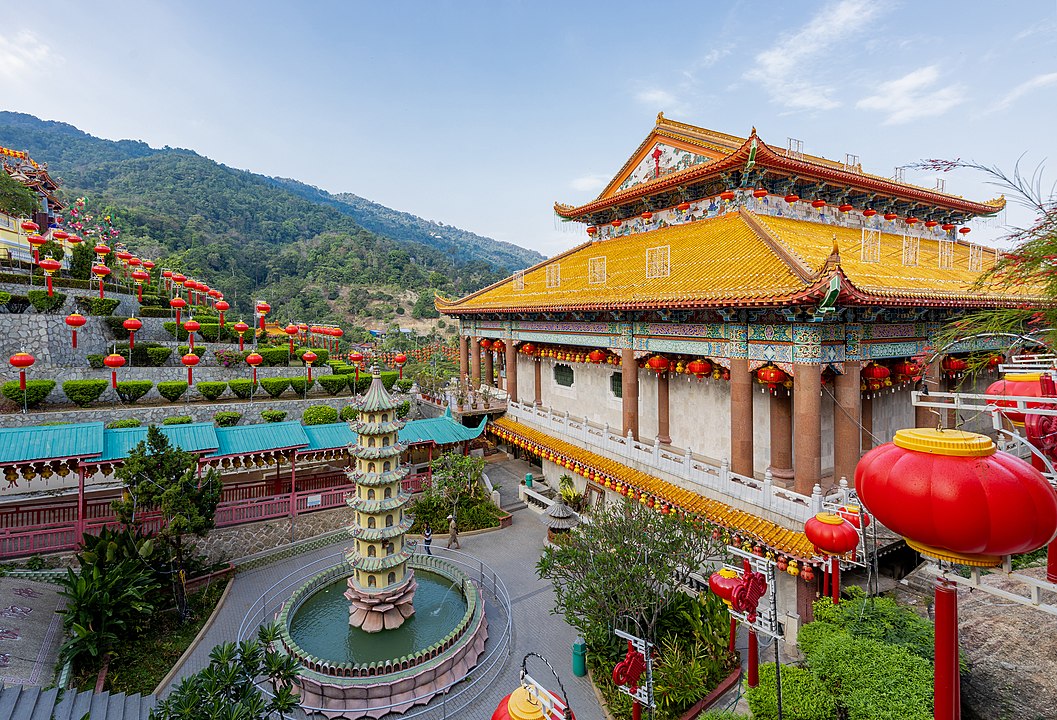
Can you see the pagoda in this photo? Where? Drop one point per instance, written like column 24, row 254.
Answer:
column 382, row 587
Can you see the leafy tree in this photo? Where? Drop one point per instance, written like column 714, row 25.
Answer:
column 624, row 568
column 15, row 198
column 81, row 261
column 454, row 476
column 158, row 476
column 227, row 688
column 424, row 307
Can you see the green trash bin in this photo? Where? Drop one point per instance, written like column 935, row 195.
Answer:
column 528, row 480
column 579, row 657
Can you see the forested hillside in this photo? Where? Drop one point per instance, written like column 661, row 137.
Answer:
column 256, row 237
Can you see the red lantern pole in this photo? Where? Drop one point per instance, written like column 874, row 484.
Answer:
column 948, row 690
column 754, row 660
column 733, row 633
column 835, row 572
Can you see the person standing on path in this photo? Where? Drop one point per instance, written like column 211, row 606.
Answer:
column 453, row 533
column 427, row 537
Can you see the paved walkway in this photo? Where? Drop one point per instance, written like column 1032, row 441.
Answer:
column 30, row 631
column 511, row 553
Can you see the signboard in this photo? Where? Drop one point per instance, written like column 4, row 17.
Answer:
column 314, row 501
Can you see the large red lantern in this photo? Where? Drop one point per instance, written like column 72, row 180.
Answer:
column 101, row 250
column 869, row 212
column 240, row 328
column 178, row 279
column 727, row 195
column 658, row 363
column 114, row 361
column 22, row 360
column 499, row 346
column 190, row 360
column 262, row 309
column 36, row 241
column 74, row 240
column 528, row 349
column 771, row 376
column 486, row 344
column 873, row 371
column 699, row 368
column 1016, row 384
column 400, row 360
column 818, row 204
column 759, row 193
column 100, row 271
column 75, row 320
column 192, row 326
column 953, row 497
column 309, row 357
column 832, row 535
column 253, row 360
column 890, row 216
column 28, row 226
column 596, row 356
column 792, row 198
column 291, row 332
column 177, row 303
column 50, row 266
column 132, row 325
column 846, row 207
column 953, row 366
column 683, row 206
column 140, row 277
column 222, row 307
column 906, row 370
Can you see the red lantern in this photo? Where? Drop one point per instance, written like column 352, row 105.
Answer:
column 191, row 326
column 75, row 320
column 190, row 360
column 873, row 371
column 699, row 368
column 616, row 223
column 241, row 328
column 74, row 240
column 132, row 325
column 759, row 193
column 771, row 376
column 947, row 227
column 337, row 334
column 906, row 370
column 498, row 346
column 911, row 220
column 528, row 349
column 486, row 344
column 727, row 195
column 818, row 204
column 253, row 360
column 792, row 198
column 869, row 212
column 647, row 216
column 931, row 223
column 855, row 515
column 100, row 271
column 683, row 206
column 1016, row 384
column 291, row 332
column 50, row 266
column 808, row 573
column 22, row 360
column 832, row 535
column 221, row 307
column 845, row 208
column 309, row 357
column 400, row 360
column 658, row 363
column 953, row 366
column 890, row 216
column 262, row 309
column 36, row 241
column 140, row 277
column 28, row 226
column 179, row 279
column 148, row 265
column 592, row 230
column 114, row 361
column 356, row 358
column 167, row 276
column 596, row 356
column 965, row 230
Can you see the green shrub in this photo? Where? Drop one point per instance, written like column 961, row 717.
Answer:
column 172, row 390
column 18, row 304
column 212, row 390
column 275, row 356
column 230, row 358
column 177, row 332
column 117, row 326
column 333, row 384
column 178, row 420
column 4, row 297
column 211, row 332
column 242, row 387
column 95, row 361
column 226, row 418
column 300, row 385
column 52, row 423
column 140, row 355
column 44, row 303
column 132, row 390
column 126, row 423
column 186, row 349
column 36, row 391
column 157, row 356
column 359, row 388
column 84, row 392
column 322, row 356
column 275, row 386
column 389, row 378
column 404, row 384
column 319, row 415
column 273, row 415
column 98, row 306
column 348, row 413
column 804, row 697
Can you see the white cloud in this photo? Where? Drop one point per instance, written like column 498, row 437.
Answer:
column 22, row 55
column 656, row 97
column 588, row 183
column 913, row 96
column 786, row 71
column 1039, row 81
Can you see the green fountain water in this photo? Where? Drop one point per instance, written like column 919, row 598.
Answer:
column 321, row 625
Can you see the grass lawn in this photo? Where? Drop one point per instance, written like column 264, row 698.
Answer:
column 140, row 663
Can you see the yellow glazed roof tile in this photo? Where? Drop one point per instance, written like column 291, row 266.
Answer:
column 774, row 536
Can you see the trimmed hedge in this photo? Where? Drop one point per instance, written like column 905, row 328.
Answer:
column 172, row 390
column 95, row 361
column 333, row 384
column 226, row 418
column 211, row 332
column 177, row 332
column 132, row 390
column 17, row 304
column 185, row 349
column 157, row 356
column 241, row 387
column 804, row 696
column 35, row 393
column 212, row 390
column 273, row 415
column 275, row 356
column 178, row 420
column 93, row 284
column 403, row 385
column 403, row 409
column 141, row 356
column 4, row 297
column 98, row 306
column 84, row 392
column 298, row 385
column 155, row 312
column 126, row 423
column 322, row 356
column 44, row 303
column 348, row 413
column 319, row 415
column 275, row 386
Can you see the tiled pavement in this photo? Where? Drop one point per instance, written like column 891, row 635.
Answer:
column 511, row 553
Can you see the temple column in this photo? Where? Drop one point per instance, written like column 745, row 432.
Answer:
column 847, row 411
column 511, row 370
column 538, row 369
column 926, row 417
column 489, row 372
column 475, row 362
column 866, row 421
column 464, row 359
column 629, row 373
column 741, row 460
column 663, row 416
column 807, row 422
column 782, row 437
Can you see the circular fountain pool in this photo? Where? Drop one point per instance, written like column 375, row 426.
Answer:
column 320, row 626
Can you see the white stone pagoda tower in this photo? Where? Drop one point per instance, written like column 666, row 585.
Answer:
column 382, row 587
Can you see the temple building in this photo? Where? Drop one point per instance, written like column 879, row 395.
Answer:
column 739, row 326
column 382, row 587
column 34, row 176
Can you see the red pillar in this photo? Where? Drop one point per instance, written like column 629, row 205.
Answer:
column 511, row 370
column 81, row 508
column 947, row 682
column 293, row 485
column 629, row 370
column 754, row 660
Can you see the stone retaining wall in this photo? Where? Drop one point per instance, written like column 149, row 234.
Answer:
column 224, row 544
column 127, row 306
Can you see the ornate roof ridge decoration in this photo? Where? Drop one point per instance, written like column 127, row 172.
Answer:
column 735, row 151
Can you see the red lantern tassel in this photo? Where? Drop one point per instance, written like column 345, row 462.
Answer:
column 100, row 288
column 254, row 378
column 221, row 320
column 75, row 339
column 47, row 279
column 191, row 337
column 309, row 374
column 177, row 317
column 190, row 377
column 22, row 380
column 113, row 376
column 262, row 323
column 139, row 292
column 131, row 342
column 241, row 340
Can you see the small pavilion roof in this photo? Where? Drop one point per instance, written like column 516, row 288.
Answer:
column 50, row 442
column 441, row 430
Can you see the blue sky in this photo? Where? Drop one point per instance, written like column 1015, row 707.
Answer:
column 482, row 114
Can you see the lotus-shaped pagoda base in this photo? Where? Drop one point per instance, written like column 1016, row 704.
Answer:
column 383, row 609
